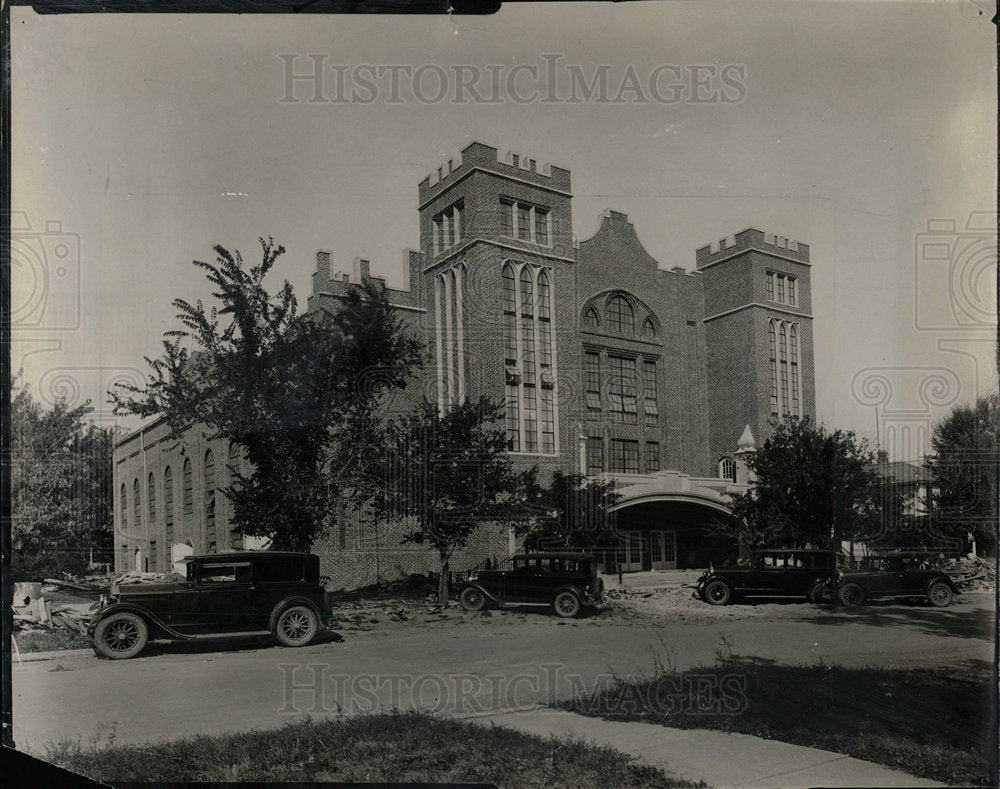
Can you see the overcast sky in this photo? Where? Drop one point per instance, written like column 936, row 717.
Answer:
column 139, row 142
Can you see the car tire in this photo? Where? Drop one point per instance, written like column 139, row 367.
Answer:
column 296, row 626
column 566, row 605
column 851, row 595
column 939, row 594
column 817, row 594
column 472, row 599
column 718, row 593
column 120, row 636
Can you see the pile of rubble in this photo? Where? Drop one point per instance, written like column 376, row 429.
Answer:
column 32, row 613
column 972, row 573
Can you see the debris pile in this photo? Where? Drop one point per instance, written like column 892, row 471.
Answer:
column 42, row 615
column 972, row 573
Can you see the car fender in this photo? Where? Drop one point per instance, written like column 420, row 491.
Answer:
column 574, row 590
column 946, row 579
column 138, row 610
column 488, row 595
column 290, row 601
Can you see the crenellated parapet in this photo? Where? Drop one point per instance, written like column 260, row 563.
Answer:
column 748, row 239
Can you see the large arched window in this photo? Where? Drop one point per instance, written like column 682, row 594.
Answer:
column 210, row 500
column 621, row 319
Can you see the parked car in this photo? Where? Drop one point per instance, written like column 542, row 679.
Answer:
column 239, row 593
column 770, row 572
column 895, row 574
column 565, row 580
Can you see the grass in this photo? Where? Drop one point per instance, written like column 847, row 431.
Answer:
column 51, row 641
column 397, row 746
column 931, row 723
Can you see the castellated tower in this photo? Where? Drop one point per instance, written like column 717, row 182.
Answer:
column 497, row 243
column 759, row 338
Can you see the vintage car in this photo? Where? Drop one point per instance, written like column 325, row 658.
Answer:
column 895, row 574
column 567, row 581
column 770, row 572
column 239, row 593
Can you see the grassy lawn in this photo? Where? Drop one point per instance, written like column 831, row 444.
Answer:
column 50, row 641
column 932, row 723
column 398, row 746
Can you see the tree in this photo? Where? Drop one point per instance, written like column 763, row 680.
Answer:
column 300, row 393
column 61, row 490
column 964, row 465
column 812, row 487
column 447, row 474
column 571, row 511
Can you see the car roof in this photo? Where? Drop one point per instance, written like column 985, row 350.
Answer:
column 553, row 555
column 793, row 550
column 246, row 555
column 905, row 554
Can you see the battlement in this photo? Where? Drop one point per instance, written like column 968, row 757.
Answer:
column 485, row 157
column 752, row 238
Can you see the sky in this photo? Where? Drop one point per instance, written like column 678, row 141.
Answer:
column 867, row 130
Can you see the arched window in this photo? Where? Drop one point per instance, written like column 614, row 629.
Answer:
column 151, row 498
column 621, row 319
column 591, row 320
column 727, row 469
column 124, row 507
column 508, row 288
column 648, row 330
column 544, row 308
column 235, row 461
column 783, row 363
column 527, row 293
column 188, row 500
column 168, row 507
column 210, row 500
column 137, row 501
column 793, row 339
column 773, row 347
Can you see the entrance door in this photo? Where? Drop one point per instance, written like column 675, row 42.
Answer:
column 663, row 550
column 630, row 553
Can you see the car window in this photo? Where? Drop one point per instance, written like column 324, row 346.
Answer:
column 282, row 569
column 224, row 572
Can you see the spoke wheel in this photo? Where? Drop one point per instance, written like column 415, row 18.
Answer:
column 472, row 599
column 939, row 595
column 851, row 595
column 296, row 626
column 121, row 636
column 718, row 593
column 566, row 605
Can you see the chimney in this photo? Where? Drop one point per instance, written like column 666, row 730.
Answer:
column 361, row 270
column 324, row 263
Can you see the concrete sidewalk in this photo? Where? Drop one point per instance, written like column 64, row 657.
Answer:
column 720, row 759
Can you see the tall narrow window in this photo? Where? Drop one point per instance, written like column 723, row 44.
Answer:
column 523, row 222
column 590, row 319
column 592, row 383
column 210, row 499
column 595, row 455
column 235, row 470
column 530, row 418
column 781, row 289
column 188, row 488
column 621, row 319
column 791, row 291
column 137, row 502
column 770, row 286
column 124, row 508
column 151, row 498
column 652, row 457
column 793, row 339
column 727, row 469
column 773, row 345
column 621, row 390
column 783, row 362
column 648, row 330
column 650, row 408
column 506, row 218
column 548, row 419
column 541, row 227
column 168, row 507
column 154, row 559
column 512, row 375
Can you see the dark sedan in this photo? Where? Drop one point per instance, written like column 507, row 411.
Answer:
column 771, row 573
column 896, row 574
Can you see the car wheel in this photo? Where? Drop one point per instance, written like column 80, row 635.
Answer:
column 296, row 626
column 718, row 593
column 566, row 605
column 472, row 599
column 851, row 594
column 817, row 594
column 939, row 594
column 119, row 636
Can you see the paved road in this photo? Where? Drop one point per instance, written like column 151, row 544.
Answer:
column 462, row 664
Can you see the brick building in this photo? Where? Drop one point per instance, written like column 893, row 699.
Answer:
column 608, row 363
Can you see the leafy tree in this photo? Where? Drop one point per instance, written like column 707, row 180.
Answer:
column 571, row 511
column 964, row 465
column 61, row 489
column 812, row 487
column 447, row 474
column 300, row 393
